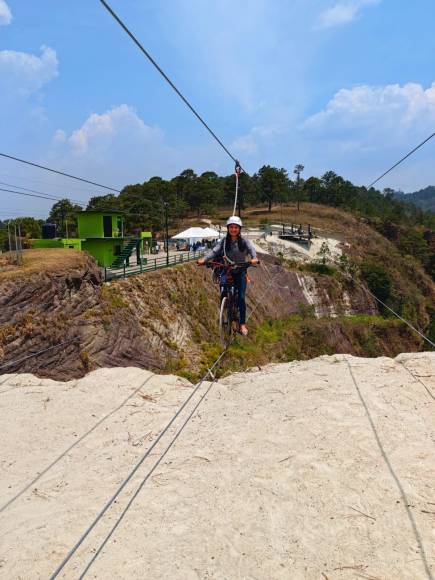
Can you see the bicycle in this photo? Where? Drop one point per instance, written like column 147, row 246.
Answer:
column 229, row 310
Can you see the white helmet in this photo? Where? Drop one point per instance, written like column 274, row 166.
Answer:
column 234, row 219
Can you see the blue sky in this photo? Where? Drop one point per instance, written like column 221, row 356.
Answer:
column 333, row 84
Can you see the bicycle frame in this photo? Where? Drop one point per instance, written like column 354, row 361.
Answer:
column 229, row 311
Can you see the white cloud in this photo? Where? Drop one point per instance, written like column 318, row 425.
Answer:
column 343, row 12
column 100, row 132
column 115, row 146
column 22, row 73
column 5, row 13
column 364, row 130
column 118, row 147
column 59, row 136
column 393, row 109
column 258, row 137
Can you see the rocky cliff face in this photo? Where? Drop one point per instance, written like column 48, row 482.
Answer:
column 159, row 321
column 285, row 292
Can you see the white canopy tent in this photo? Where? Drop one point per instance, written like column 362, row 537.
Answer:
column 190, row 234
column 211, row 233
column 196, row 234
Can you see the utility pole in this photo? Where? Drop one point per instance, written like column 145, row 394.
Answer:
column 16, row 244
column 9, row 236
column 298, row 170
column 166, row 205
column 20, row 245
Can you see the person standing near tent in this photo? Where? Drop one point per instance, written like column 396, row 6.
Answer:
column 236, row 249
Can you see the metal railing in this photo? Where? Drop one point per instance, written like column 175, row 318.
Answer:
column 292, row 232
column 149, row 264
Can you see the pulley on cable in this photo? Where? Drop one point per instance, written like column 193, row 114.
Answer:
column 237, row 171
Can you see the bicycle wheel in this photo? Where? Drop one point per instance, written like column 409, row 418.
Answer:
column 225, row 321
column 235, row 314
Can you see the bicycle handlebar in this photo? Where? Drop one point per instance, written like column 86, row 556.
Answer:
column 212, row 263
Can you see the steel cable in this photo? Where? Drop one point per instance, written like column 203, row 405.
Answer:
column 417, row 379
column 400, row 161
column 147, row 476
column 52, row 196
column 16, row 361
column 143, row 482
column 395, row 313
column 146, row 454
column 76, row 442
column 383, row 304
column 58, row 172
column 405, row 499
column 166, row 77
column 133, row 471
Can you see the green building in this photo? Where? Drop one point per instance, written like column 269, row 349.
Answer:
column 101, row 234
column 73, row 243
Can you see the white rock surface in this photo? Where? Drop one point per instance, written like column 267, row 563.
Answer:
column 321, row 469
column 292, row 250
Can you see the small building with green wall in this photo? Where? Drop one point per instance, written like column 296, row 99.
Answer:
column 101, row 234
column 73, row 243
column 101, row 225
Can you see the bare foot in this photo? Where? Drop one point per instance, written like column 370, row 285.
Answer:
column 243, row 330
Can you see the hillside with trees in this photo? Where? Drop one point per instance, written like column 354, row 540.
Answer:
column 189, row 195
column 424, row 198
column 408, row 227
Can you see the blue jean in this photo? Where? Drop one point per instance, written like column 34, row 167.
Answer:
column 240, row 284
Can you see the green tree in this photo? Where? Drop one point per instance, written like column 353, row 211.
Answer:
column 273, row 184
column 29, row 226
column 314, row 190
column 378, row 280
column 209, row 192
column 186, row 189
column 104, row 202
column 64, row 215
column 414, row 244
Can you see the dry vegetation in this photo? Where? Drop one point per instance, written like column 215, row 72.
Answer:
column 40, row 260
column 167, row 320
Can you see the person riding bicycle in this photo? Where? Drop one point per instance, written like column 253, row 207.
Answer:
column 235, row 249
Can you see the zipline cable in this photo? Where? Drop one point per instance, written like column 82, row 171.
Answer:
column 428, row 340
column 119, row 490
column 59, row 172
column 143, row 482
column 237, row 171
column 149, row 473
column 403, row 159
column 133, row 471
column 32, row 180
column 406, row 501
column 50, row 198
column 417, row 378
column 16, row 361
column 395, row 313
column 40, row 192
column 167, row 79
column 76, row 442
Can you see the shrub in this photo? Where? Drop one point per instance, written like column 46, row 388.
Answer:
column 320, row 268
column 377, row 279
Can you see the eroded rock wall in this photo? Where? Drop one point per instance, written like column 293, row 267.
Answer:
column 159, row 321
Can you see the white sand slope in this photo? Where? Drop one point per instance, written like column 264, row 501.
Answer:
column 322, row 469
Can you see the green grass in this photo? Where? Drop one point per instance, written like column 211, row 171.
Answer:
column 300, row 338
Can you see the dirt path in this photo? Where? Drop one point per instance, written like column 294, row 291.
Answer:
column 323, row 469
